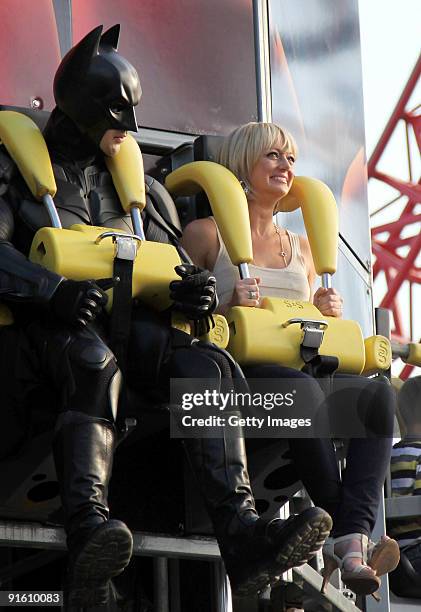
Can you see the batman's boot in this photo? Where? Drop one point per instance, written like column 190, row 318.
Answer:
column 99, row 548
column 256, row 551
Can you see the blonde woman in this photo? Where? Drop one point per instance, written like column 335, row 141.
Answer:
column 262, row 156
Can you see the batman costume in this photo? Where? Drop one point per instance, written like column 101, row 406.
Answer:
column 60, row 340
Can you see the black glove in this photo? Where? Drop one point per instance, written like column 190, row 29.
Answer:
column 195, row 294
column 79, row 302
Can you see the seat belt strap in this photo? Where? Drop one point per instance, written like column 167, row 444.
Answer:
column 125, row 254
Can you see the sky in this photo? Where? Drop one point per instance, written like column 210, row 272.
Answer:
column 390, row 44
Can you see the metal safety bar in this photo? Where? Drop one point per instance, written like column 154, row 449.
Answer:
column 163, row 547
column 52, row 211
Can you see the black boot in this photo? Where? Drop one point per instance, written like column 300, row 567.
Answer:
column 98, row 548
column 255, row 551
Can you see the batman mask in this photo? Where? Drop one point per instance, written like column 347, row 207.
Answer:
column 96, row 87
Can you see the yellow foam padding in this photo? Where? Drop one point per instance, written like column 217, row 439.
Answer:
column 26, row 146
column 6, row 317
column 227, row 199
column 219, row 334
column 320, row 214
column 378, row 354
column 179, row 321
column 414, row 357
column 257, row 335
column 74, row 254
column 126, row 169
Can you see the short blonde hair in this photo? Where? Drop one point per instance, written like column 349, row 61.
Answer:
column 242, row 148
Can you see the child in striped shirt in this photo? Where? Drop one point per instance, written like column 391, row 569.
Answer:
column 406, row 480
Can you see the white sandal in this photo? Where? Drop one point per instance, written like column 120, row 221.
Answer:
column 362, row 579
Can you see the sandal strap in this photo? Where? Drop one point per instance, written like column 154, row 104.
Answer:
column 350, row 555
column 360, row 554
column 352, row 536
column 355, row 555
column 358, row 569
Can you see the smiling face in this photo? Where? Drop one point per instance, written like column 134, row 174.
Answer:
column 111, row 141
column 272, row 174
column 262, row 155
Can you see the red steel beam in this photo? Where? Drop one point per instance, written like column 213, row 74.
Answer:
column 398, row 268
column 396, row 115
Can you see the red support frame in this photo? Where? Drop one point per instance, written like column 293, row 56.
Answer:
column 396, row 245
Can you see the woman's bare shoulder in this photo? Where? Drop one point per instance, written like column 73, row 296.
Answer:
column 200, row 239
column 200, row 228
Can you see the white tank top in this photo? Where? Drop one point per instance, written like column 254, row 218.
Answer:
column 290, row 282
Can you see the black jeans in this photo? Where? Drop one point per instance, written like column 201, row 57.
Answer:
column 353, row 500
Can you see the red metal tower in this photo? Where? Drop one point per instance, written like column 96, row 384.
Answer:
column 397, row 245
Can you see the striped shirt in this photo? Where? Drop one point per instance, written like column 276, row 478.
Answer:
column 406, row 480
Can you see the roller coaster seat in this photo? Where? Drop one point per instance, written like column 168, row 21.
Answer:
column 36, row 495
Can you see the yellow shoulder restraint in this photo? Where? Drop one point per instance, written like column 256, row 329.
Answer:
column 80, row 253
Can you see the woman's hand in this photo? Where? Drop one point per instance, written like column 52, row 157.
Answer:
column 329, row 302
column 246, row 292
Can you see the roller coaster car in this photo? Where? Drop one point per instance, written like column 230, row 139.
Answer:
column 88, row 252
column 29, row 489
